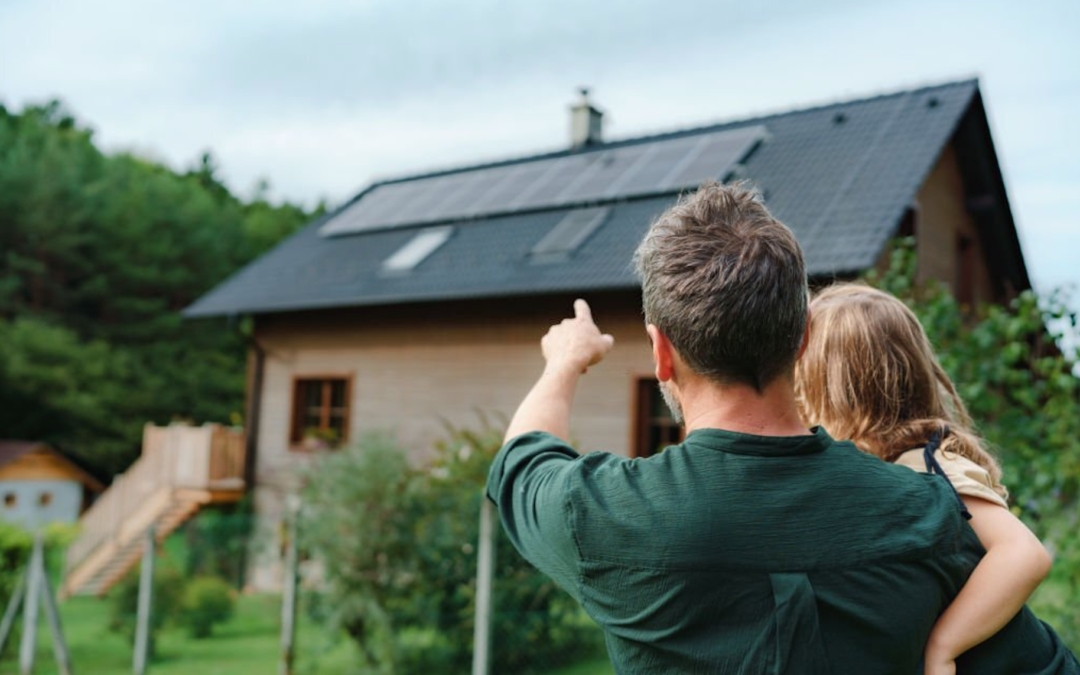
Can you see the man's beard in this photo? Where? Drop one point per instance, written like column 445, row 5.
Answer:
column 672, row 402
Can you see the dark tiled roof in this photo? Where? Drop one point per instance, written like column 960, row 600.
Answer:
column 840, row 176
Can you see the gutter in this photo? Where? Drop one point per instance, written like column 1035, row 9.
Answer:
column 253, row 412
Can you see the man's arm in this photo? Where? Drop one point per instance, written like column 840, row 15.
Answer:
column 532, row 476
column 569, row 349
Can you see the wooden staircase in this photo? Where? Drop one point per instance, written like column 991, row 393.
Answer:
column 182, row 469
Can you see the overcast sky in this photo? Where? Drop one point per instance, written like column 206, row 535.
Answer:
column 321, row 96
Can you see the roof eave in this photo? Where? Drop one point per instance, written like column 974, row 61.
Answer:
column 195, row 312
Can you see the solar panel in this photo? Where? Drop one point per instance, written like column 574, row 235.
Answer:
column 454, row 190
column 568, row 170
column 633, row 170
column 516, row 185
column 550, row 171
column 608, row 168
column 649, row 176
column 715, row 151
column 417, row 205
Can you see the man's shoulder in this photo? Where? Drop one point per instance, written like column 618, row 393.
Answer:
column 849, row 457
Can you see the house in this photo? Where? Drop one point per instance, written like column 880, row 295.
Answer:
column 39, row 485
column 423, row 298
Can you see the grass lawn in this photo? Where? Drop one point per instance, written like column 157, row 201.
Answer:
column 246, row 645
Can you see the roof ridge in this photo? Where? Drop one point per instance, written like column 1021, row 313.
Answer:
column 705, row 127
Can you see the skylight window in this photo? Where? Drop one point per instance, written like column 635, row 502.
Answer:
column 569, row 234
column 417, row 249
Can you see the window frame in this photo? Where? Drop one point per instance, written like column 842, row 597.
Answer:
column 296, row 431
column 645, row 388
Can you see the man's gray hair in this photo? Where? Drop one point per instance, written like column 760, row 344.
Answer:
column 725, row 281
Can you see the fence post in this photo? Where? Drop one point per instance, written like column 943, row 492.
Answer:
column 289, row 594
column 485, row 572
column 52, row 613
column 146, row 606
column 34, row 578
column 8, row 622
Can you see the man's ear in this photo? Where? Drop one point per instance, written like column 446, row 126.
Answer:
column 805, row 337
column 663, row 353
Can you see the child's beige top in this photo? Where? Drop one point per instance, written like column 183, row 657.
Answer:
column 969, row 479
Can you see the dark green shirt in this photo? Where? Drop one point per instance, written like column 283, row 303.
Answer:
column 739, row 554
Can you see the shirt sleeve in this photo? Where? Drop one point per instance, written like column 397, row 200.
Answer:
column 530, row 485
column 969, row 479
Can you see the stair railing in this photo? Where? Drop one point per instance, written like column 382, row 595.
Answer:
column 175, row 456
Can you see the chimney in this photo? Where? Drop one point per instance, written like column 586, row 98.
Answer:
column 586, row 122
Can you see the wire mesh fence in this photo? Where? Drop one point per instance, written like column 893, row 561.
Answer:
column 501, row 617
column 391, row 574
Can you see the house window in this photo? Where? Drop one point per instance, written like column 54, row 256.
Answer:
column 655, row 426
column 320, row 413
column 11, row 500
column 44, row 499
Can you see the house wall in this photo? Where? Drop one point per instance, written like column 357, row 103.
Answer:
column 65, row 501
column 943, row 218
column 413, row 367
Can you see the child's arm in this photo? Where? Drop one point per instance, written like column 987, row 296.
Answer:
column 1014, row 565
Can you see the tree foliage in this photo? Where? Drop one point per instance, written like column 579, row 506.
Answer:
column 98, row 255
column 1014, row 368
column 398, row 547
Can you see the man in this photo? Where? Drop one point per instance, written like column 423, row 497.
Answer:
column 756, row 545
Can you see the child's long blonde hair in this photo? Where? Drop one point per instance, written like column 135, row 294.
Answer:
column 869, row 374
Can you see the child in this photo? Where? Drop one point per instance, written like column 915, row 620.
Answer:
column 869, row 374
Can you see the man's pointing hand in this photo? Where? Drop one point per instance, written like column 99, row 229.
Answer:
column 575, row 344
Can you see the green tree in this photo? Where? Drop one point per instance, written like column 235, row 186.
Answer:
column 98, row 255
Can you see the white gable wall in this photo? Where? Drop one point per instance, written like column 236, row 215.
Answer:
column 64, row 499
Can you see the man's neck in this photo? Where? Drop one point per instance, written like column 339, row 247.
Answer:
column 772, row 412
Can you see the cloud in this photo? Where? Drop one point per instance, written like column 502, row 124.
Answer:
column 320, row 97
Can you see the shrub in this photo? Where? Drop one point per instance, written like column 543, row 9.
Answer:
column 168, row 589
column 15, row 546
column 216, row 542
column 397, row 544
column 207, row 601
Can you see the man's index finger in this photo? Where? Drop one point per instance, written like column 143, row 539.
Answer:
column 581, row 310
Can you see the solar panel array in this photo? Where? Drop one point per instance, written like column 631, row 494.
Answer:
column 655, row 167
